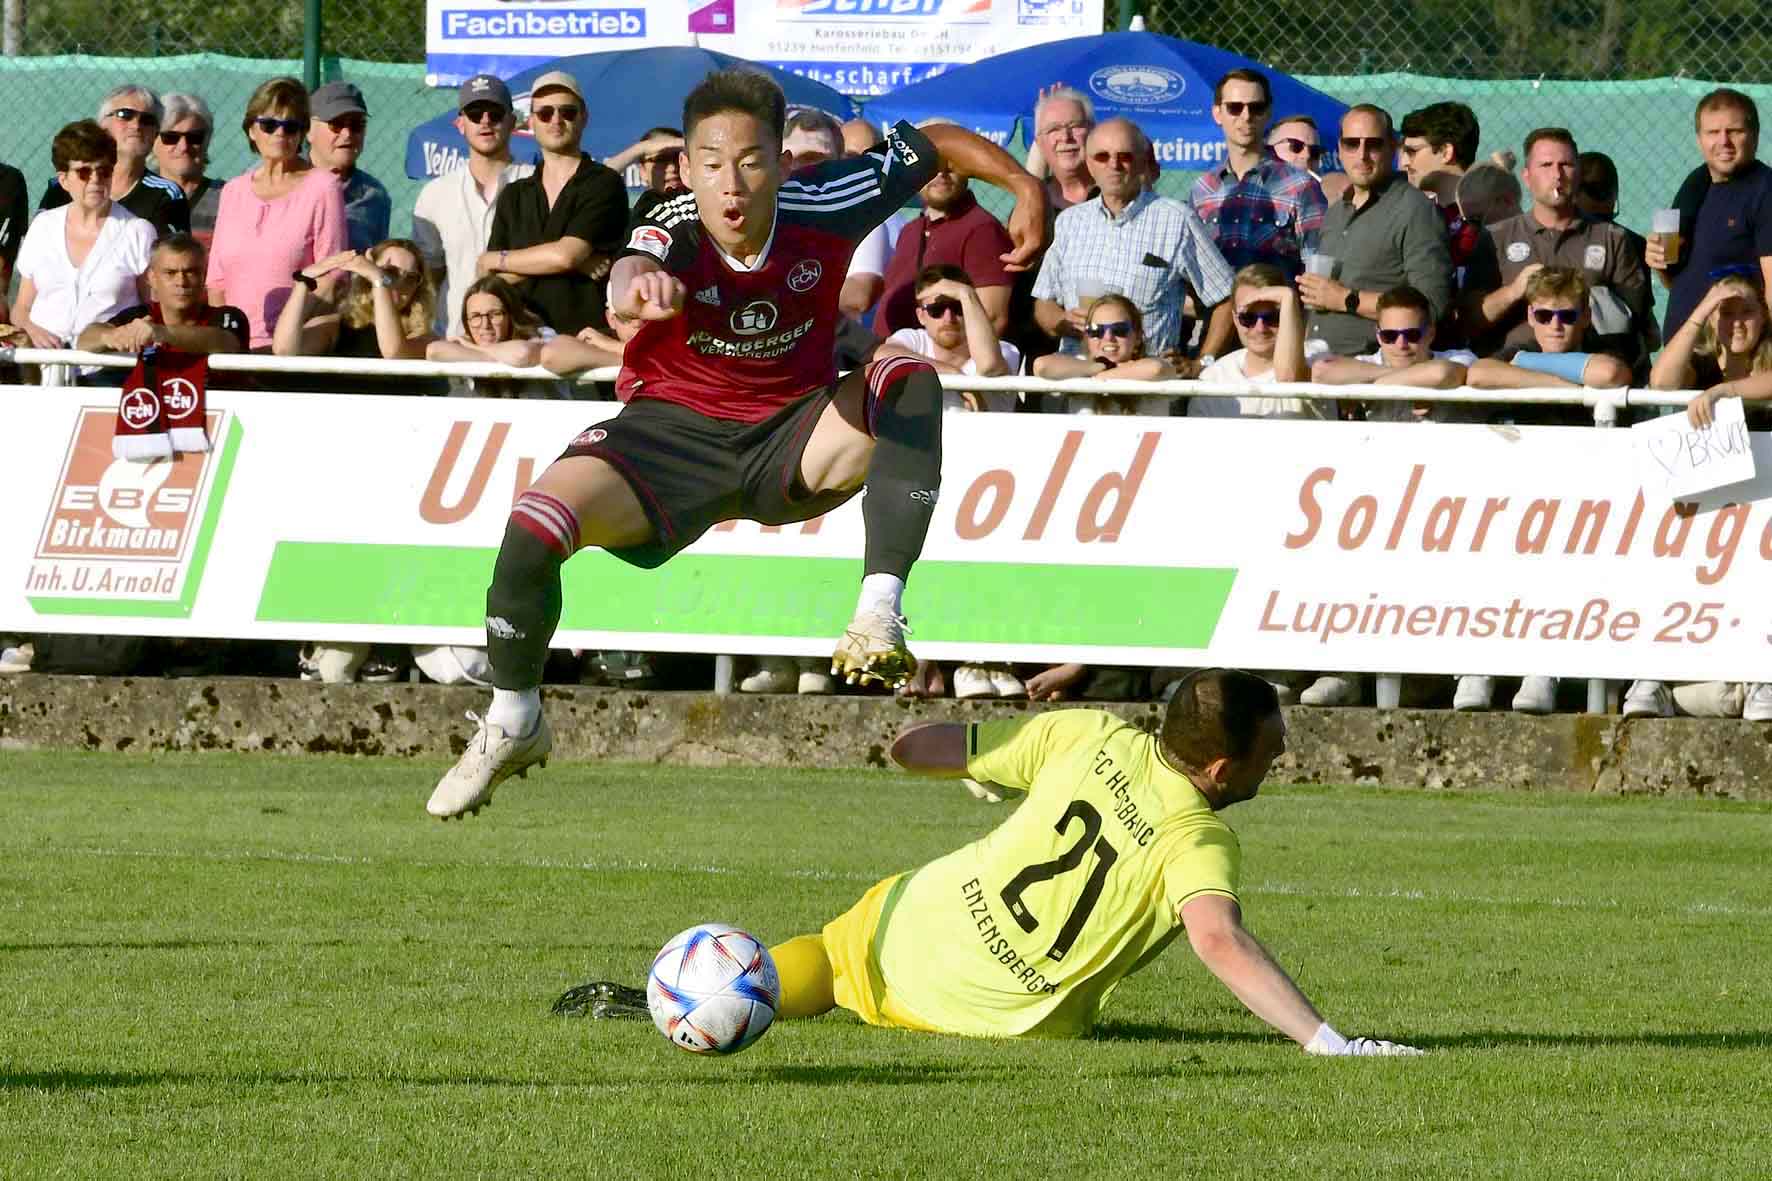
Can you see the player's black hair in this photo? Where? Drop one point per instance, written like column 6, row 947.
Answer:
column 1446, row 123
column 748, row 92
column 1214, row 715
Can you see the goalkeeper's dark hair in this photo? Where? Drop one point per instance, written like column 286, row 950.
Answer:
column 1214, row 715
column 747, row 92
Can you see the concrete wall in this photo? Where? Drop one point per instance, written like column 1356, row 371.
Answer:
column 1403, row 748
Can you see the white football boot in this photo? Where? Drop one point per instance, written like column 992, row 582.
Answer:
column 873, row 649
column 491, row 758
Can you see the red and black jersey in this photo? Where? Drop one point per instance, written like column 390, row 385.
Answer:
column 749, row 341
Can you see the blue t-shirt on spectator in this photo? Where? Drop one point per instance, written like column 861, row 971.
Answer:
column 368, row 210
column 1733, row 227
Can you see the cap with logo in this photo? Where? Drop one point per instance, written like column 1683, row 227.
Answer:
column 483, row 88
column 556, row 80
column 335, row 99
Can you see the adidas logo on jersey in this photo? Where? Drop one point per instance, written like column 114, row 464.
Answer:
column 709, row 296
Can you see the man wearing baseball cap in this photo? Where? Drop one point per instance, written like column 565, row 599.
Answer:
column 452, row 220
column 555, row 232
column 338, row 123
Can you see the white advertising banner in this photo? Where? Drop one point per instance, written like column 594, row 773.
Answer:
column 860, row 47
column 1419, row 548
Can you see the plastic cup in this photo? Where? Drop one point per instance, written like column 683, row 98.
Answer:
column 1090, row 290
column 1320, row 264
column 1665, row 225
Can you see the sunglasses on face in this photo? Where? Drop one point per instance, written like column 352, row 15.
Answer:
column 1298, row 145
column 1118, row 328
column 941, row 309
column 1376, row 144
column 484, row 113
column 567, row 113
column 195, row 139
column 85, row 172
column 1252, row 317
column 131, row 115
column 1393, row 335
column 1564, row 316
column 352, row 123
column 272, row 126
column 1235, row 109
column 1126, row 158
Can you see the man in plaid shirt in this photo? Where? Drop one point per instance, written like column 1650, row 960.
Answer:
column 1259, row 208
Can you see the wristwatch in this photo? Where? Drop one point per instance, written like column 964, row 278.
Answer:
column 386, row 280
column 305, row 280
column 1353, row 302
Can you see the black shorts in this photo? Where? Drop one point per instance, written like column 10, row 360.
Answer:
column 691, row 472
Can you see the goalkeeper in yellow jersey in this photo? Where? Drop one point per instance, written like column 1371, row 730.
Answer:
column 1117, row 848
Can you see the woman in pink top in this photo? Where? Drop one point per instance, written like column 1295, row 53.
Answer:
column 276, row 219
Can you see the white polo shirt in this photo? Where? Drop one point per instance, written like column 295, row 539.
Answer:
column 1002, row 401
column 452, row 222
column 1232, row 369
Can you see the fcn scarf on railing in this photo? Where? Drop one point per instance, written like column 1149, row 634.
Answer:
column 162, row 407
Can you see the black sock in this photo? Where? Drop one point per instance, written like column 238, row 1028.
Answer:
column 522, row 608
column 904, row 475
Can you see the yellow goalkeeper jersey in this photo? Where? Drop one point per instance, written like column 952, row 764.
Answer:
column 1029, row 929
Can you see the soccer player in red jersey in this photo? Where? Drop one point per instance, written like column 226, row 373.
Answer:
column 733, row 408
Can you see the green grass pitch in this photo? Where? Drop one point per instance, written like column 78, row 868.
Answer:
column 253, row 966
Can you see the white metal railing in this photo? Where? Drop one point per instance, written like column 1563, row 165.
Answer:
column 1604, row 403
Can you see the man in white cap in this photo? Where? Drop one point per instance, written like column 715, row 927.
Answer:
column 452, row 221
column 338, row 127
column 555, row 232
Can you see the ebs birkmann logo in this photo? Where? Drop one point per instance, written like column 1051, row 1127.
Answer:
column 951, row 11
column 126, row 538
column 1137, row 86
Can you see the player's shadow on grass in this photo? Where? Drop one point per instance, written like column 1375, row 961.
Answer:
column 168, row 944
column 1739, row 1039
column 1144, row 1031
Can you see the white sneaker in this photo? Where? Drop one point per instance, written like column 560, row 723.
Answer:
column 1474, row 694
column 1648, row 699
column 1006, row 683
column 17, row 659
column 814, row 682
column 1284, row 693
column 1331, row 689
column 775, row 674
column 972, row 682
column 491, row 758
column 1537, row 695
column 1759, row 703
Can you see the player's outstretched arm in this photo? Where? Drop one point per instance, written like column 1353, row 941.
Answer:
column 973, row 155
column 1215, row 929
column 932, row 748
column 641, row 289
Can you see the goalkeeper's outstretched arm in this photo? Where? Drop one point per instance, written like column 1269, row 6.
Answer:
column 1215, row 929
column 932, row 748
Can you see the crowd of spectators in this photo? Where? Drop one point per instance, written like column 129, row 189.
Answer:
column 1416, row 264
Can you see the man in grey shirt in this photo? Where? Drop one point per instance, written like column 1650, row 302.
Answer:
column 1381, row 233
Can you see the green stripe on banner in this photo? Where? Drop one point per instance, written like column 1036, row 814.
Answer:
column 179, row 608
column 723, row 594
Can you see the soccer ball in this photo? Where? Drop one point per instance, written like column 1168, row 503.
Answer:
column 713, row 989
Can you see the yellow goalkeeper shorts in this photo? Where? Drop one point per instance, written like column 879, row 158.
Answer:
column 852, row 943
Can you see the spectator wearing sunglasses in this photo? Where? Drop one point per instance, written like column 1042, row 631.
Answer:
column 82, row 262
column 452, row 219
column 1259, row 208
column 1153, row 250
column 954, row 333
column 1723, row 349
column 1295, row 140
column 658, row 157
column 1556, row 312
column 1406, row 357
column 555, row 231
column 181, row 153
column 1382, row 234
column 1270, row 325
column 1113, row 333
column 1555, row 233
column 277, row 218
column 131, row 115
column 338, row 127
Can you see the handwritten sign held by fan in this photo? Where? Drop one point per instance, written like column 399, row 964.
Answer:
column 1676, row 458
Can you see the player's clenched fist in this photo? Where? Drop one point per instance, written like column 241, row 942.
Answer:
column 651, row 295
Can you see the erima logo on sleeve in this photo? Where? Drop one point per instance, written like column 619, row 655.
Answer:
column 896, row 146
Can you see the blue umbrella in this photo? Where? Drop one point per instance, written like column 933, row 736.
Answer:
column 1163, row 84
column 629, row 91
